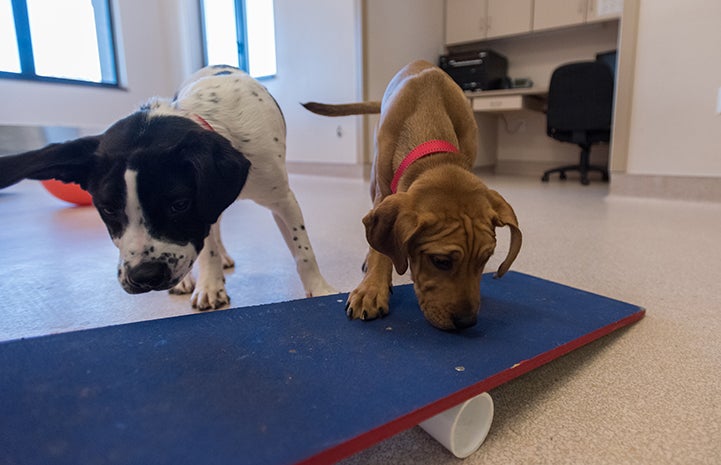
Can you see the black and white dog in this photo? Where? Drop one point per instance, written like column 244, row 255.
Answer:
column 161, row 177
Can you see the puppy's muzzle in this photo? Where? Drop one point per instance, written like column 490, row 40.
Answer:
column 148, row 276
column 448, row 314
column 465, row 321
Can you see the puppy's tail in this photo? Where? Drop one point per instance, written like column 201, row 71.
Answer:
column 344, row 109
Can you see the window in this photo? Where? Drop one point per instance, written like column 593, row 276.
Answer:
column 57, row 40
column 240, row 33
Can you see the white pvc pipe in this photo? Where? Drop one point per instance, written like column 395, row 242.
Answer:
column 463, row 428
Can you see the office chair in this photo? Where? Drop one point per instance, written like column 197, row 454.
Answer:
column 580, row 107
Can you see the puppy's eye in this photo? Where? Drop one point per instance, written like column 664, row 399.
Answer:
column 179, row 206
column 109, row 211
column 442, row 262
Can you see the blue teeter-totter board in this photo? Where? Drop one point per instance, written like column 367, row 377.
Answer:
column 286, row 383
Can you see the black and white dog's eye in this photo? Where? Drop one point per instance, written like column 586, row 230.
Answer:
column 179, row 206
column 108, row 211
column 442, row 262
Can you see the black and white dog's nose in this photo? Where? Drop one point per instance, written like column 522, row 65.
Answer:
column 149, row 276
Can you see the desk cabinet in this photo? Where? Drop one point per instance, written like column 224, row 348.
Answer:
column 474, row 20
column 508, row 100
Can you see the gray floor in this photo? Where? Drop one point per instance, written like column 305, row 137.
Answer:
column 647, row 394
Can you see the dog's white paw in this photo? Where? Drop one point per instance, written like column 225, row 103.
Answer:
column 320, row 288
column 209, row 296
column 185, row 286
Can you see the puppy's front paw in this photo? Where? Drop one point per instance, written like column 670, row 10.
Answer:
column 208, row 296
column 368, row 302
column 185, row 286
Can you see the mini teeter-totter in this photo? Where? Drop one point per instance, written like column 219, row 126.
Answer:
column 285, row 383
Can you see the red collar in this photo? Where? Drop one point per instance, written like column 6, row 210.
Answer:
column 426, row 148
column 201, row 122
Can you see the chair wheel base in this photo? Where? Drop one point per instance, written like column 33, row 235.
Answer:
column 583, row 173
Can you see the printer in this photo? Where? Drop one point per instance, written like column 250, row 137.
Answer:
column 476, row 70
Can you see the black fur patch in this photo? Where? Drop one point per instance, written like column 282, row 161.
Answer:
column 186, row 176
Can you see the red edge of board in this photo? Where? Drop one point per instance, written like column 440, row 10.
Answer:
column 374, row 436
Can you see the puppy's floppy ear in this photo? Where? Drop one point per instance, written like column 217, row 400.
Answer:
column 220, row 173
column 505, row 216
column 68, row 162
column 390, row 226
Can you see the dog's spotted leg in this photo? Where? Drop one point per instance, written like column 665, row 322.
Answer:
column 289, row 218
column 228, row 261
column 210, row 288
column 185, row 286
column 369, row 300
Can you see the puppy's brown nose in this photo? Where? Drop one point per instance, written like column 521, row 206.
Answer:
column 465, row 321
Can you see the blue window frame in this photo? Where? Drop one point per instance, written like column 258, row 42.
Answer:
column 67, row 41
column 240, row 33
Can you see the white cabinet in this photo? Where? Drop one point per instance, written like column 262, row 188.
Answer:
column 508, row 17
column 551, row 14
column 474, row 20
column 465, row 21
column 600, row 10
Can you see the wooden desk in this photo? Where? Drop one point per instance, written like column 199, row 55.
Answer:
column 529, row 98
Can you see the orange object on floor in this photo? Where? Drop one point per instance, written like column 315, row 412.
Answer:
column 69, row 192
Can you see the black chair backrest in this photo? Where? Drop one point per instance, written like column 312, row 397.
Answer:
column 580, row 98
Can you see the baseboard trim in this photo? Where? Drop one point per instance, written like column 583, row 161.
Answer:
column 341, row 170
column 688, row 188
column 526, row 168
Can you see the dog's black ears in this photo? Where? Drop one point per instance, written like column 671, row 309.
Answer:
column 68, row 162
column 220, row 176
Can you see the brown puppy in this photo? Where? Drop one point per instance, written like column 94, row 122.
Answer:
column 429, row 209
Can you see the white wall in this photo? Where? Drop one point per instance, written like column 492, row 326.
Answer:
column 395, row 33
column 674, row 128
column 319, row 59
